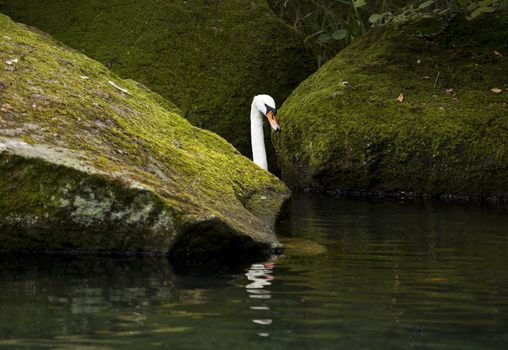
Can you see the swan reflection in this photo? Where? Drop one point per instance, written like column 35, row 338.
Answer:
column 260, row 277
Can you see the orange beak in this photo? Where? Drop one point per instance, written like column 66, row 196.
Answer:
column 273, row 121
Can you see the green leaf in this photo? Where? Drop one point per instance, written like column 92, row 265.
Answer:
column 376, row 18
column 324, row 38
column 340, row 34
column 472, row 6
column 464, row 3
column 481, row 10
column 359, row 3
column 485, row 3
column 400, row 18
column 426, row 4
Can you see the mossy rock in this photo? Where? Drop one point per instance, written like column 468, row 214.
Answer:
column 208, row 57
column 89, row 161
column 346, row 129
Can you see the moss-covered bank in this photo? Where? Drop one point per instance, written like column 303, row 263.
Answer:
column 90, row 161
column 208, row 57
column 344, row 128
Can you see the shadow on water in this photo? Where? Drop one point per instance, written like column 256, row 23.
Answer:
column 62, row 302
column 51, row 296
column 356, row 275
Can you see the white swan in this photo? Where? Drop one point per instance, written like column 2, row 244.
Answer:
column 262, row 105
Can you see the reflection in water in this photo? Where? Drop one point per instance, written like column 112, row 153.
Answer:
column 73, row 300
column 390, row 276
column 261, row 277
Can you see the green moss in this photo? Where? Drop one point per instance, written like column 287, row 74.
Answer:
column 78, row 115
column 345, row 130
column 49, row 207
column 209, row 57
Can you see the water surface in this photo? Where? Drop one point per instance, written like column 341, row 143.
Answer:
column 356, row 275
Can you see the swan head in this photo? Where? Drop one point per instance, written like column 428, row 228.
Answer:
column 265, row 104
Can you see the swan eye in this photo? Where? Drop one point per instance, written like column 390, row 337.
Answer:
column 271, row 109
column 271, row 114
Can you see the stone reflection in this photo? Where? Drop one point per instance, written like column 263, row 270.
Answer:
column 260, row 276
column 87, row 293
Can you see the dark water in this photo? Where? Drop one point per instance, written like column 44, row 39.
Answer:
column 356, row 275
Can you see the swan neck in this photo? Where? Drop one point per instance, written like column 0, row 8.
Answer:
column 257, row 138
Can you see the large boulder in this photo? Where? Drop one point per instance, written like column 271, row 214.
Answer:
column 208, row 57
column 421, row 108
column 89, row 161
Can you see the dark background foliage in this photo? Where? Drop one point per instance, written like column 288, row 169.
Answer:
column 331, row 25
